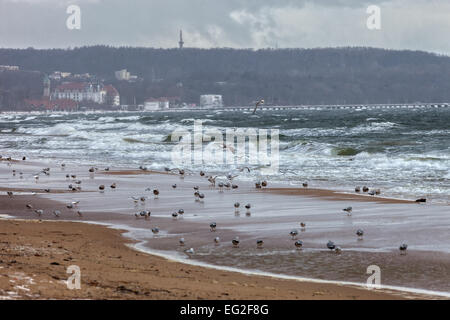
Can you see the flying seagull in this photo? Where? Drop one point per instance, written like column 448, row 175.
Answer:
column 257, row 105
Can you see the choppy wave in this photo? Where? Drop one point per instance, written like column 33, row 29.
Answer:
column 406, row 153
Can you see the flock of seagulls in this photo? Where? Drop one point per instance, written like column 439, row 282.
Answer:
column 199, row 197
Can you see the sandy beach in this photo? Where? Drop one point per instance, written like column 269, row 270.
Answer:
column 35, row 251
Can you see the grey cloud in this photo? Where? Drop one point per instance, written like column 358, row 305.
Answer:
column 410, row 24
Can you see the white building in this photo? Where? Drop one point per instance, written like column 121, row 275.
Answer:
column 152, row 104
column 122, row 75
column 211, row 101
column 80, row 91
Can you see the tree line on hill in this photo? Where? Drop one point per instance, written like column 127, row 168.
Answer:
column 281, row 76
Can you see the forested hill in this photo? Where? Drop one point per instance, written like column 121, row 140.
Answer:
column 283, row 76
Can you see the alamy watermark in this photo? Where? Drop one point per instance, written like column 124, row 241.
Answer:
column 244, row 147
column 73, row 22
column 374, row 281
column 74, row 280
column 374, row 20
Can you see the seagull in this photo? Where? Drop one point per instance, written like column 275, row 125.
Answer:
column 29, row 206
column 264, row 183
column 338, row 250
column 220, row 186
column 201, row 196
column 80, row 214
column 358, row 189
column 57, row 213
column 174, row 186
column 348, row 210
column 372, row 192
column 257, row 105
column 365, row 189
column 175, row 215
column 212, row 180
column 113, row 186
column 156, row 193
column 213, row 226
column 155, row 230
column 293, row 233
column 196, row 188
column 234, row 186
column 196, row 195
column 331, row 245
column 360, row 233
column 47, row 190
column 189, row 251
column 202, row 174
column 235, row 242
column 142, row 199
column 69, row 206
column 403, row 248
column 227, row 185
column 259, row 243
column 303, row 225
column 39, row 212
column 236, row 207
column 258, row 185
column 10, row 193
column 216, row 240
column 421, row 200
column 101, row 187
column 91, row 169
column 305, row 184
column 181, row 242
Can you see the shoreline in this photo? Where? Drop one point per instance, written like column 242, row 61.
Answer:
column 98, row 219
column 39, row 285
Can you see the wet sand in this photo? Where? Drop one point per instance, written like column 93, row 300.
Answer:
column 385, row 221
column 35, row 256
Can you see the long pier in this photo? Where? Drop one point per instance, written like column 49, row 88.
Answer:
column 317, row 107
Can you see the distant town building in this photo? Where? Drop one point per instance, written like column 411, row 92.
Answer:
column 54, row 105
column 152, row 104
column 211, row 101
column 122, row 75
column 112, row 96
column 58, row 75
column 80, row 91
column 9, row 68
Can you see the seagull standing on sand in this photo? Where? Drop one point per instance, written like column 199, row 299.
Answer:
column 360, row 234
column 303, row 226
column 217, row 241
column 259, row 243
column 235, row 242
column 236, row 207
column 189, row 251
column 101, row 188
column 348, row 210
column 181, row 241
column 39, row 212
column 213, row 226
column 403, row 248
column 293, row 233
column 57, row 213
column 331, row 245
column 175, row 215
column 155, row 230
column 248, row 207
column 156, row 193
column 298, row 244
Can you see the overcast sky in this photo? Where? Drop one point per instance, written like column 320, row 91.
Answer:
column 405, row 24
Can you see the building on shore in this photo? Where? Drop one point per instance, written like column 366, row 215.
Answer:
column 51, row 105
column 152, row 104
column 112, row 96
column 211, row 101
column 9, row 68
column 87, row 92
